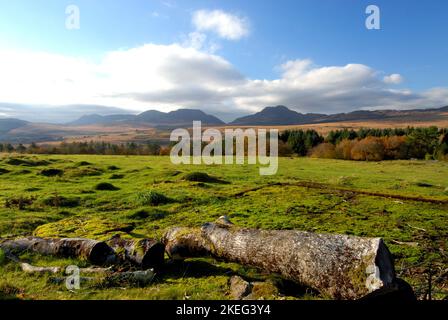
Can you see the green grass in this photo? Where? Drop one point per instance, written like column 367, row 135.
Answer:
column 377, row 199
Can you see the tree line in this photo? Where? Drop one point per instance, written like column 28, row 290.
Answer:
column 368, row 144
column 92, row 147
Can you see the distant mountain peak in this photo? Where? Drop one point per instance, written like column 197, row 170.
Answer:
column 180, row 117
column 276, row 115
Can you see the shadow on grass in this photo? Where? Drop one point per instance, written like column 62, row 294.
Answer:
column 200, row 269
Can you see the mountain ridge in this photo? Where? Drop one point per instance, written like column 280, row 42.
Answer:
column 151, row 117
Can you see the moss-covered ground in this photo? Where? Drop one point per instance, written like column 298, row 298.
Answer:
column 404, row 202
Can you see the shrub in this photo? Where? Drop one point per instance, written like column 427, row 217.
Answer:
column 52, row 172
column 343, row 149
column 370, row 149
column 152, row 198
column 3, row 171
column 284, row 149
column 112, row 167
column 324, row 150
column 395, row 148
column 105, row 186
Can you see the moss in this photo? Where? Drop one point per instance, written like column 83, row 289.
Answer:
column 263, row 290
column 95, row 228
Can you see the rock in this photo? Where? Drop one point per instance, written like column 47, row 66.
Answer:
column 239, row 288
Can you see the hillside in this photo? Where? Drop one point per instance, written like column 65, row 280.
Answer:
column 282, row 116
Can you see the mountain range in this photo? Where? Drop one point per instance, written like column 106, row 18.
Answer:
column 181, row 117
column 269, row 116
column 95, row 125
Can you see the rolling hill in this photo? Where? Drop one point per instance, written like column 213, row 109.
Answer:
column 152, row 118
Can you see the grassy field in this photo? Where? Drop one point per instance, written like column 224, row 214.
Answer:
column 404, row 202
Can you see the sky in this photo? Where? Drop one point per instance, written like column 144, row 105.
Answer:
column 228, row 58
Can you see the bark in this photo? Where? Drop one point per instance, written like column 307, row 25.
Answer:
column 338, row 266
column 96, row 252
column 145, row 253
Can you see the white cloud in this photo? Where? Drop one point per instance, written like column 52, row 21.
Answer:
column 394, row 78
column 166, row 77
column 226, row 25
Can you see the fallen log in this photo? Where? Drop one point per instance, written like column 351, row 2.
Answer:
column 338, row 266
column 145, row 253
column 96, row 252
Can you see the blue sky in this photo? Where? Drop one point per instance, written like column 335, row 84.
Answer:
column 307, row 46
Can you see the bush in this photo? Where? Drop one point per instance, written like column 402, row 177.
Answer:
column 112, row 167
column 323, row 150
column 3, row 171
column 343, row 149
column 152, row 198
column 284, row 149
column 395, row 148
column 369, row 149
column 105, row 186
column 52, row 172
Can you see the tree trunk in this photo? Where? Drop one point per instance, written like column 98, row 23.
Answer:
column 338, row 266
column 96, row 252
column 145, row 253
